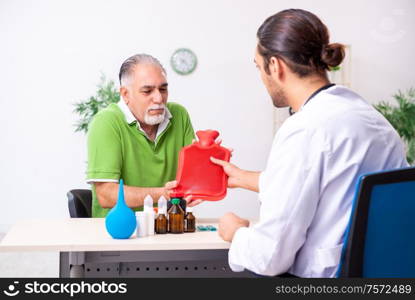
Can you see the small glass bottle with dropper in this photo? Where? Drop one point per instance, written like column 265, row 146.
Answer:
column 189, row 221
column 176, row 217
column 161, row 220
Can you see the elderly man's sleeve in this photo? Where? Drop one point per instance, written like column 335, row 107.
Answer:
column 189, row 134
column 104, row 151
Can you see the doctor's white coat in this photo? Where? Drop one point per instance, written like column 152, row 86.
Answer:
column 307, row 188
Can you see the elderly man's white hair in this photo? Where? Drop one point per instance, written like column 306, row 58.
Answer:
column 129, row 63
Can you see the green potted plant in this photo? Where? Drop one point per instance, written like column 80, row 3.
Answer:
column 402, row 118
column 106, row 93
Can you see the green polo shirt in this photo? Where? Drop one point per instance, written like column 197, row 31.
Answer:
column 117, row 148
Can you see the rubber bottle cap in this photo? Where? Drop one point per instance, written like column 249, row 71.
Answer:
column 207, row 137
column 175, row 201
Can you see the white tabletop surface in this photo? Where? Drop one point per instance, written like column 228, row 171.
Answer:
column 89, row 234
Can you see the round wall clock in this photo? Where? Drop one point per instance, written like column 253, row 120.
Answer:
column 183, row 61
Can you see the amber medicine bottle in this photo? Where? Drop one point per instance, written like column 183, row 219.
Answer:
column 176, row 217
column 161, row 220
column 189, row 221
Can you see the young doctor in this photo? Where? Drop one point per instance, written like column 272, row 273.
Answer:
column 307, row 188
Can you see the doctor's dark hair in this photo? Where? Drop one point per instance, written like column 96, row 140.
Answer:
column 301, row 40
column 136, row 59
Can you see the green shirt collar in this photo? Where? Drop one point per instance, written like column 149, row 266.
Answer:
column 129, row 117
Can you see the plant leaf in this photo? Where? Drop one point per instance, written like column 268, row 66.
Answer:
column 106, row 93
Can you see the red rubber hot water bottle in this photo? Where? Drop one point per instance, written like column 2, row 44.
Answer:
column 197, row 176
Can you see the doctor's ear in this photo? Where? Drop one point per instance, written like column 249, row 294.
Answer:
column 277, row 67
column 273, row 64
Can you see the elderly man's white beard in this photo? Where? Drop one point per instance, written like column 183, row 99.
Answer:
column 157, row 119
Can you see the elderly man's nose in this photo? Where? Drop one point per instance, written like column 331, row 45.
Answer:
column 158, row 98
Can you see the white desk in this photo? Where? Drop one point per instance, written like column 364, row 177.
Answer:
column 86, row 249
column 89, row 234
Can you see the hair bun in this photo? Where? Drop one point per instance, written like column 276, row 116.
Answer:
column 333, row 54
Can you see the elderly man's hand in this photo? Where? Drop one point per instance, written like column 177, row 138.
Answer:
column 193, row 202
column 229, row 224
column 169, row 186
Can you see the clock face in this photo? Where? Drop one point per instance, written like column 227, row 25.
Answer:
column 183, row 61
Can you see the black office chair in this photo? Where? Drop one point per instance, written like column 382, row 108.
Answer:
column 380, row 239
column 80, row 203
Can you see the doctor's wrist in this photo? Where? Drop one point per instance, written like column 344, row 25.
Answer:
column 241, row 224
column 248, row 180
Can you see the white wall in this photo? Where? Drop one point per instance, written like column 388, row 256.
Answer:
column 52, row 52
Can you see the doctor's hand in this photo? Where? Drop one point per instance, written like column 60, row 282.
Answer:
column 238, row 177
column 234, row 173
column 229, row 224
